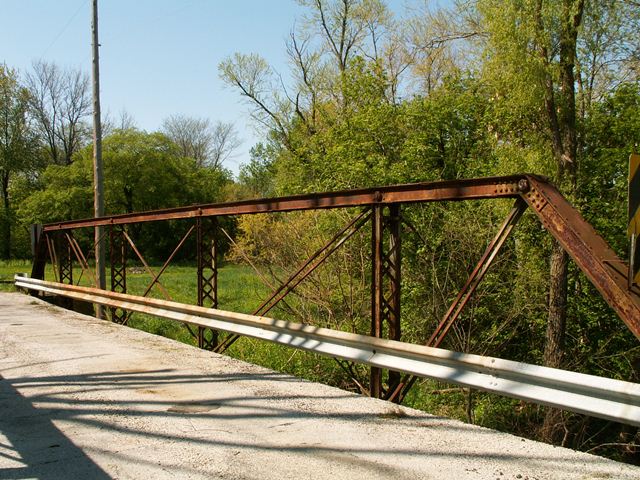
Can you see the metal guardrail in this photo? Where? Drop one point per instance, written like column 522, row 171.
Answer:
column 587, row 394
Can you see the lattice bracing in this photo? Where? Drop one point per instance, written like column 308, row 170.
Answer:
column 385, row 315
column 207, row 250
column 118, row 251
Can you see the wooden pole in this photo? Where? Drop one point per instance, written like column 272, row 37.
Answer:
column 98, row 196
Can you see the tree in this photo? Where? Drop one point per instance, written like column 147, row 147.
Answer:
column 60, row 101
column 536, row 53
column 17, row 145
column 344, row 26
column 333, row 34
column 124, row 121
column 257, row 177
column 143, row 171
column 210, row 145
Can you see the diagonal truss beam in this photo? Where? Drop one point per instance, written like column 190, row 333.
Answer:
column 149, row 270
column 156, row 278
column 82, row 260
column 312, row 263
column 51, row 248
column 477, row 274
column 399, row 392
column 602, row 266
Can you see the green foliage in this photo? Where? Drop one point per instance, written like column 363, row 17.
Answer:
column 18, row 153
column 508, row 106
column 257, row 177
column 143, row 171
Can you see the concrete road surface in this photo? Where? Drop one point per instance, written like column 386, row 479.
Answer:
column 83, row 398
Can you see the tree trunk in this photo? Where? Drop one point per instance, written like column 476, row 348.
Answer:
column 558, row 272
column 552, row 428
column 561, row 112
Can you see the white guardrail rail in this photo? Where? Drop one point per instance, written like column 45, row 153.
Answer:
column 591, row 395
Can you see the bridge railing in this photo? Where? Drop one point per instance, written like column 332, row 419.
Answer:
column 587, row 394
column 382, row 209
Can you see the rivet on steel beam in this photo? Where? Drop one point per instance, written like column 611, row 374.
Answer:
column 523, row 185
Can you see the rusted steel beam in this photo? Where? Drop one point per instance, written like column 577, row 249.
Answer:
column 41, row 245
column 53, row 258
column 450, row 190
column 65, row 260
column 313, row 262
column 156, row 278
column 385, row 287
column 592, row 254
column 82, row 260
column 392, row 272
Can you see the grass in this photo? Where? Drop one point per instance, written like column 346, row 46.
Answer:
column 8, row 268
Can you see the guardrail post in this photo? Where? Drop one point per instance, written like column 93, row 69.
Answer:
column 118, row 261
column 207, row 249
column 385, row 287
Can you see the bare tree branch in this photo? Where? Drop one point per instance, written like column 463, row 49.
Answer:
column 59, row 103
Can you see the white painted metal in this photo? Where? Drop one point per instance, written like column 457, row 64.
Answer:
column 597, row 396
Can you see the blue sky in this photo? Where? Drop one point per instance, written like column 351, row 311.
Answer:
column 158, row 57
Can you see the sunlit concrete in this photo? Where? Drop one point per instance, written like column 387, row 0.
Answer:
column 82, row 398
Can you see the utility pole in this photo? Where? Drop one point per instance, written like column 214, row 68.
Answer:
column 98, row 196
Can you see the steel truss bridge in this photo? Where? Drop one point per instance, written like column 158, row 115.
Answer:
column 381, row 208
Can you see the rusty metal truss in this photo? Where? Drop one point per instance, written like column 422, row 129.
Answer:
column 118, row 252
column 382, row 207
column 207, row 253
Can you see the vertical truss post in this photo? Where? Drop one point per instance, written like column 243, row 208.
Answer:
column 39, row 247
column 118, row 260
column 65, row 265
column 65, row 259
column 207, row 250
column 375, row 382
column 391, row 272
column 385, row 286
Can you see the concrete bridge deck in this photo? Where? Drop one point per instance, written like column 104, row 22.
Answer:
column 82, row 398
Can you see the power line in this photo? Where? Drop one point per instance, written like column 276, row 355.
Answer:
column 64, row 28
